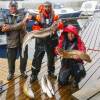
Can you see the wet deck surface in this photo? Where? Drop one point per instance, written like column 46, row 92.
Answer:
column 13, row 90
column 91, row 38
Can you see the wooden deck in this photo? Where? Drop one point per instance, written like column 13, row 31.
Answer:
column 13, row 90
column 89, row 89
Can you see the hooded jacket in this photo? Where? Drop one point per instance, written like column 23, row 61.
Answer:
column 80, row 45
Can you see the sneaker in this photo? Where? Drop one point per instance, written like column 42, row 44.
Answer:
column 52, row 75
column 10, row 77
column 33, row 78
column 24, row 75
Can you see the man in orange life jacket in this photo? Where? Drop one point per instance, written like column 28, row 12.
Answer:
column 45, row 19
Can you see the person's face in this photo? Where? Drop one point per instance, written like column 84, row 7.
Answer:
column 71, row 36
column 13, row 9
column 48, row 8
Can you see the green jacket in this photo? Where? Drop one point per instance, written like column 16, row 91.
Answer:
column 17, row 32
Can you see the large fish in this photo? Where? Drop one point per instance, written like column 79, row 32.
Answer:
column 28, row 91
column 43, row 84
column 50, row 86
column 70, row 54
column 46, row 88
column 38, row 34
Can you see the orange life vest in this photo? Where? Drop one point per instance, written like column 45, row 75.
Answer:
column 38, row 18
column 36, row 27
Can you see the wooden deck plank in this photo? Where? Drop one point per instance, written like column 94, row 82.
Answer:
column 17, row 79
column 86, row 92
column 22, row 85
column 38, row 92
column 94, row 56
column 96, row 39
column 94, row 77
column 87, row 29
column 94, row 66
column 96, row 97
column 84, row 32
column 90, row 43
column 87, row 40
column 64, row 90
column 39, row 95
column 90, row 31
column 4, row 69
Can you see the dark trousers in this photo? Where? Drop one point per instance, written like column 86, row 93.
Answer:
column 37, row 60
column 71, row 68
column 12, row 56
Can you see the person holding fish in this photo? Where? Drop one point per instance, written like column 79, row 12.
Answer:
column 14, row 21
column 45, row 19
column 71, row 68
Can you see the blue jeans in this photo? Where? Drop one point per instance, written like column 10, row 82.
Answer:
column 73, row 68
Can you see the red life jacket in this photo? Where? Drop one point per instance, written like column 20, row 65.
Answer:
column 52, row 18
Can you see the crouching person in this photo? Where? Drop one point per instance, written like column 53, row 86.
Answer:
column 70, row 40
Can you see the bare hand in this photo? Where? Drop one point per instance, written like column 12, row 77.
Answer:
column 59, row 51
column 5, row 28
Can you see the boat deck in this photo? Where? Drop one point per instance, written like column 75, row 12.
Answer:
column 13, row 90
column 88, row 87
column 90, row 34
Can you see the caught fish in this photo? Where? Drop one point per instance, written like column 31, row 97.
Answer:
column 28, row 91
column 50, row 86
column 45, row 88
column 70, row 54
column 38, row 34
column 48, row 92
column 43, row 84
